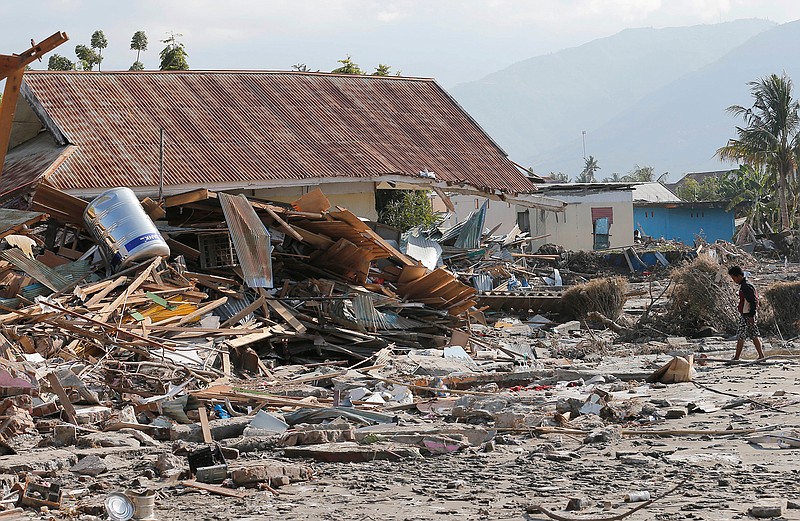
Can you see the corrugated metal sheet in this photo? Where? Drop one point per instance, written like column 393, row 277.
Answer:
column 12, row 218
column 470, row 236
column 426, row 251
column 35, row 269
column 483, row 282
column 366, row 314
column 250, row 239
column 249, row 126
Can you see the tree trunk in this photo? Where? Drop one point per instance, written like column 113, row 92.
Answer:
column 782, row 191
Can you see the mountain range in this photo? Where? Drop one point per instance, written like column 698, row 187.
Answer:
column 642, row 97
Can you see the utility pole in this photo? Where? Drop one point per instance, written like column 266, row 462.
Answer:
column 583, row 135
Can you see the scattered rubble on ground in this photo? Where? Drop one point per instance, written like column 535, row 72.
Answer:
column 262, row 358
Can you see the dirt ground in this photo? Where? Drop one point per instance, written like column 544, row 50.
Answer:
column 718, row 476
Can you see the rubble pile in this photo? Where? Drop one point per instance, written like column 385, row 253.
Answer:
column 242, row 346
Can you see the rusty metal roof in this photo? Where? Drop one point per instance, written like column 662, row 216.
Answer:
column 246, row 128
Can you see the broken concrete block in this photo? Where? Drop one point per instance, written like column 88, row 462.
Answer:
column 674, row 414
column 89, row 466
column 566, row 327
column 315, row 434
column 604, row 435
column 273, row 472
column 766, row 510
column 91, row 414
column 220, row 429
column 108, row 439
column 577, row 503
column 168, row 462
column 676, row 341
column 46, row 461
column 142, row 437
column 64, row 435
column 250, row 443
column 351, row 452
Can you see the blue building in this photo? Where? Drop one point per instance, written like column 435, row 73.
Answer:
column 684, row 222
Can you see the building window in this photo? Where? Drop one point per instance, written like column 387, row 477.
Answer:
column 524, row 221
column 601, row 229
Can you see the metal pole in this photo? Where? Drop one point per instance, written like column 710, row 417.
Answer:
column 583, row 135
column 161, row 167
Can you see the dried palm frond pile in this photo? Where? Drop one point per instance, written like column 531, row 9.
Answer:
column 702, row 295
column 606, row 296
column 784, row 298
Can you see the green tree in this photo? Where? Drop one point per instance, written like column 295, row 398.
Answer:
column 405, row 209
column 753, row 188
column 99, row 42
column 300, row 67
column 559, row 177
column 709, row 190
column 138, row 44
column 348, row 67
column 173, row 56
column 589, row 168
column 769, row 138
column 615, row 178
column 640, row 174
column 87, row 56
column 56, row 62
column 382, row 70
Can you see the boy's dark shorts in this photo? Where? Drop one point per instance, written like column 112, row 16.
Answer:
column 746, row 330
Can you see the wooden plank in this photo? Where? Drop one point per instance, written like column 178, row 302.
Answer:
column 203, row 310
column 178, row 248
column 111, row 286
column 257, row 303
column 214, row 489
column 352, row 219
column 248, row 339
column 283, row 224
column 204, row 425
column 7, row 107
column 286, row 315
column 226, row 363
column 106, row 311
column 411, row 273
column 201, row 194
column 210, row 278
column 69, row 409
column 318, row 241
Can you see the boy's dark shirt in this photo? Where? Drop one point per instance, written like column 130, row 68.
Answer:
column 748, row 299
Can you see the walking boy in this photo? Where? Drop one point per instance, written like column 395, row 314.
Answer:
column 748, row 303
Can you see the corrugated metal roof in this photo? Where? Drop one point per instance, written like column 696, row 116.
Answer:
column 654, row 193
column 250, row 126
column 250, row 239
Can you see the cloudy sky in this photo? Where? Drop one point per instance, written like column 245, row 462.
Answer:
column 451, row 40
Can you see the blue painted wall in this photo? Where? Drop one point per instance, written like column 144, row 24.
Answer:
column 683, row 224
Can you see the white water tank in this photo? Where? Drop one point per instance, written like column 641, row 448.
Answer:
column 123, row 230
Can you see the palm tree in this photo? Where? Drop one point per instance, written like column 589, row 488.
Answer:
column 99, row 42
column 769, row 138
column 589, row 168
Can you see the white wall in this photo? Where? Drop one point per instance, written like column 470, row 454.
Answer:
column 359, row 198
column 497, row 212
column 573, row 229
